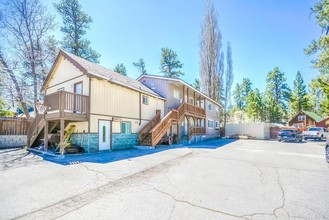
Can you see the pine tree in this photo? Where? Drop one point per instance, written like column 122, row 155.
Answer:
column 277, row 91
column 255, row 106
column 140, row 65
column 299, row 100
column 237, row 95
column 75, row 24
column 121, row 69
column 169, row 64
column 321, row 46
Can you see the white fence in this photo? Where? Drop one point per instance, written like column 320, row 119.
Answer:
column 258, row 130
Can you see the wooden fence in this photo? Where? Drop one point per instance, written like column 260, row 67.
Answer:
column 14, row 126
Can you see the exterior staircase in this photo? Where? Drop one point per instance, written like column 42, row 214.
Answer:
column 35, row 129
column 153, row 131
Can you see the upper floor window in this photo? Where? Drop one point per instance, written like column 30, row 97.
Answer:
column 210, row 123
column 176, row 94
column 145, row 100
column 209, row 106
column 217, row 124
column 126, row 127
column 301, row 117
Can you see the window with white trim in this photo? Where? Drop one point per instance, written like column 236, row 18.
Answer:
column 145, row 100
column 210, row 123
column 301, row 117
column 176, row 94
column 209, row 106
column 126, row 127
column 217, row 124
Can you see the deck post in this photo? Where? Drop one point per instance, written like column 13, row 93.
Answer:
column 46, row 136
column 183, row 93
column 171, row 136
column 62, row 146
column 178, row 133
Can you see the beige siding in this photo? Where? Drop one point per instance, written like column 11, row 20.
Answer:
column 213, row 115
column 116, row 125
column 114, row 100
column 65, row 75
column 79, row 126
column 109, row 100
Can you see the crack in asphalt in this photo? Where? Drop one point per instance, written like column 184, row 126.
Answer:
column 76, row 202
column 283, row 196
column 261, row 174
column 195, row 205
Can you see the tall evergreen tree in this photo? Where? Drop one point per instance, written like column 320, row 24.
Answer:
column 237, row 95
column 211, row 59
column 299, row 100
column 140, row 65
column 321, row 46
column 120, row 68
column 255, row 106
column 75, row 24
column 196, row 84
column 277, row 91
column 169, row 64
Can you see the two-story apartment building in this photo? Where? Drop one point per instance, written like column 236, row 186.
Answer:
column 202, row 113
column 104, row 110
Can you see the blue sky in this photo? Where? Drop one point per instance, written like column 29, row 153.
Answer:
column 263, row 34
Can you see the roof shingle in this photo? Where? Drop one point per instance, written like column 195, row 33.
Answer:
column 102, row 72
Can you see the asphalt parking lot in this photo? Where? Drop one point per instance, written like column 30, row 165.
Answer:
column 222, row 179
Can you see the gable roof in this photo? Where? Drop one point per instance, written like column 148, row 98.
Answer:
column 95, row 70
column 313, row 115
column 178, row 80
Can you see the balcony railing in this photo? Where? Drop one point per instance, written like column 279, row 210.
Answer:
column 66, row 105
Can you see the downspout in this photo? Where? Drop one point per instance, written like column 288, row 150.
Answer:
column 140, row 108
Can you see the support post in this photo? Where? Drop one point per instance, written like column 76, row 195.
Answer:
column 178, row 133
column 62, row 144
column 183, row 93
column 171, row 136
column 46, row 135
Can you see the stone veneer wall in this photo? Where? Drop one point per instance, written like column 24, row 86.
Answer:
column 124, row 141
column 91, row 146
column 119, row 141
column 8, row 141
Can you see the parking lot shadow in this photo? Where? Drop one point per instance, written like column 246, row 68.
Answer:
column 112, row 156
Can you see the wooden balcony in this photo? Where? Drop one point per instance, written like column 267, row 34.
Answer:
column 67, row 106
column 191, row 110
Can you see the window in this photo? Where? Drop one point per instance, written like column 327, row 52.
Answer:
column 210, row 123
column 176, row 94
column 209, row 107
column 301, row 117
column 217, row 124
column 126, row 127
column 145, row 100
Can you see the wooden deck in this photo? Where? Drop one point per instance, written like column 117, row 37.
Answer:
column 67, row 106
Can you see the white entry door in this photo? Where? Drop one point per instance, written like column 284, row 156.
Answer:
column 104, row 133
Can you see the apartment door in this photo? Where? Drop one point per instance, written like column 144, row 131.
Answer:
column 104, row 135
column 78, row 89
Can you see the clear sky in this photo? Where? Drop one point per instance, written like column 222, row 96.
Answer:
column 263, row 34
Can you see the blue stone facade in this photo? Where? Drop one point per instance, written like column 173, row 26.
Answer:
column 124, row 141
column 119, row 141
column 89, row 146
